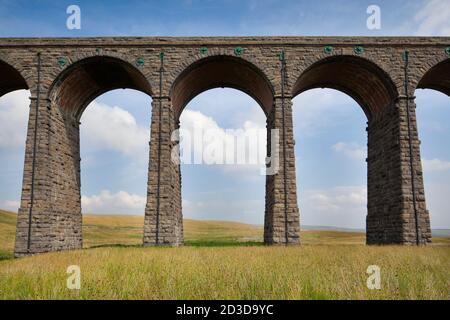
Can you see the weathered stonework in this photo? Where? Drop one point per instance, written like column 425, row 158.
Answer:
column 65, row 75
column 282, row 222
column 163, row 219
column 389, row 180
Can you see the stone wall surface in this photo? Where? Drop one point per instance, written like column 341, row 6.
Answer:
column 65, row 74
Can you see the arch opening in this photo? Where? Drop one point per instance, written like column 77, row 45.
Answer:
column 374, row 91
column 89, row 78
column 432, row 93
column 114, row 153
column 221, row 71
column 432, row 113
column 14, row 113
column 330, row 152
column 359, row 78
column 70, row 94
column 14, row 109
column 222, row 202
column 437, row 78
column 10, row 79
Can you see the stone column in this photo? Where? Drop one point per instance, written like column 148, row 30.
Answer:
column 163, row 218
column 51, row 183
column 32, row 238
column 282, row 221
column 391, row 217
column 66, row 191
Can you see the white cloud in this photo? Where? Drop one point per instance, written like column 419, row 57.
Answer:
column 14, row 108
column 195, row 121
column 435, row 165
column 317, row 110
column 113, row 128
column 229, row 107
column 11, row 205
column 343, row 206
column 434, row 18
column 103, row 127
column 110, row 203
column 351, row 150
column 333, row 199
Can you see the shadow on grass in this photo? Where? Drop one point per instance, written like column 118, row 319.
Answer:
column 6, row 255
column 188, row 243
column 221, row 243
column 114, row 245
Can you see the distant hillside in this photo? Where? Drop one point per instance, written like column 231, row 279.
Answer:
column 311, row 227
column 8, row 217
column 441, row 233
column 107, row 230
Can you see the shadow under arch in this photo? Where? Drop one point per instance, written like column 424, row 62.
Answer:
column 10, row 79
column 88, row 78
column 437, row 78
column 364, row 81
column 221, row 71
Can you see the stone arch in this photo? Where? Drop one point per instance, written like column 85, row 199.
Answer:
column 163, row 221
column 70, row 93
column 76, row 57
column 369, row 85
column 221, row 71
column 84, row 80
column 373, row 89
column 11, row 79
column 436, row 77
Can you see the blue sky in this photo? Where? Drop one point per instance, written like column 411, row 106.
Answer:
column 191, row 17
column 329, row 126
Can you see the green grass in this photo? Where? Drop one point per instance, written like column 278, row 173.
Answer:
column 7, row 234
column 222, row 260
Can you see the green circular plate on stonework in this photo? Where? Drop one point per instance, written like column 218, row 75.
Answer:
column 358, row 50
column 238, row 51
column 328, row 49
column 140, row 62
column 62, row 61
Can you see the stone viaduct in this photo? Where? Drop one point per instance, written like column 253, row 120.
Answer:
column 65, row 74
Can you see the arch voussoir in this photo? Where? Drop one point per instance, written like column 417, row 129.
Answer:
column 217, row 69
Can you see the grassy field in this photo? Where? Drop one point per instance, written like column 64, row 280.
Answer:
column 7, row 234
column 222, row 260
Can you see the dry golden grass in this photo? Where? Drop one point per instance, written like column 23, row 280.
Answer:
column 7, row 233
column 330, row 265
column 308, row 272
column 109, row 230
